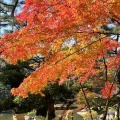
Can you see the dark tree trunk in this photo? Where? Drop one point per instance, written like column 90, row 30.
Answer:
column 118, row 110
column 42, row 111
column 106, row 110
column 50, row 106
column 118, row 75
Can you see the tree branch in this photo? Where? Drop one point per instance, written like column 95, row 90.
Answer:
column 113, row 19
column 4, row 24
column 29, row 68
column 38, row 61
column 106, row 71
column 87, row 102
column 106, row 109
column 76, row 51
column 105, row 33
column 6, row 4
column 14, row 7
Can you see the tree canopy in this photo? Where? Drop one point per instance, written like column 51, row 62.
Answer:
column 51, row 25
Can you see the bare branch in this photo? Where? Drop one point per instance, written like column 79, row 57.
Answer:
column 14, row 7
column 6, row 4
column 4, row 24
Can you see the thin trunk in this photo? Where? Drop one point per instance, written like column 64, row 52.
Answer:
column 106, row 78
column 118, row 75
column 118, row 110
column 106, row 109
column 106, row 71
column 86, row 102
column 50, row 106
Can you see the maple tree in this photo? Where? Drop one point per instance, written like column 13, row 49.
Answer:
column 49, row 25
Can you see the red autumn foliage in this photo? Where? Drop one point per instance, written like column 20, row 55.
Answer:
column 109, row 90
column 49, row 24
